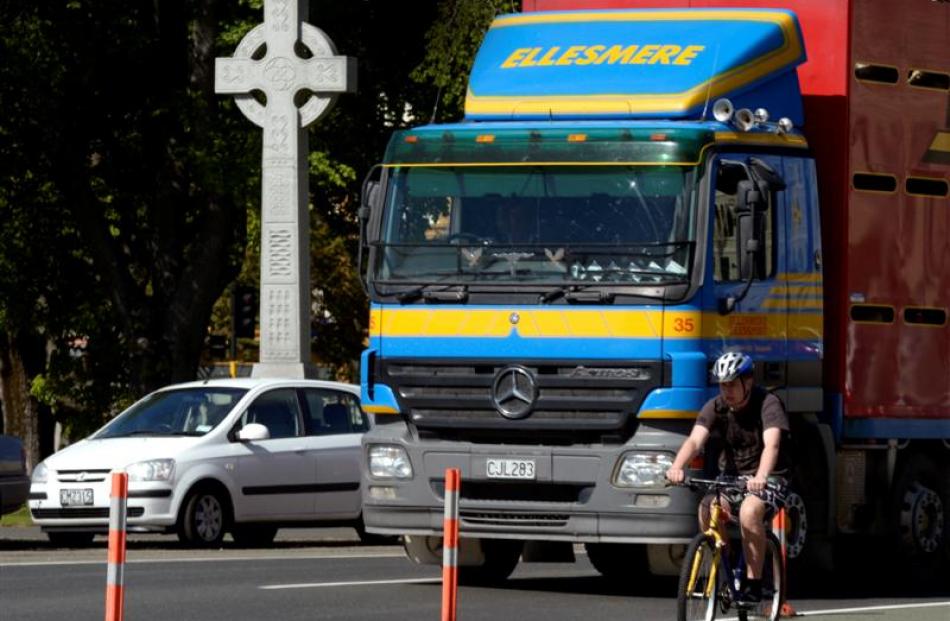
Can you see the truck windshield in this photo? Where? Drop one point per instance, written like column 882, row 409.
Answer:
column 605, row 225
column 185, row 412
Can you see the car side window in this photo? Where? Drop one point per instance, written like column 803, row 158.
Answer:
column 277, row 410
column 333, row 412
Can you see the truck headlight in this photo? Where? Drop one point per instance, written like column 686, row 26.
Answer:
column 389, row 462
column 643, row 470
column 40, row 473
column 153, row 470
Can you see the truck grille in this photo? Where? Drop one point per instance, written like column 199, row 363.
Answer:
column 513, row 519
column 490, row 491
column 590, row 399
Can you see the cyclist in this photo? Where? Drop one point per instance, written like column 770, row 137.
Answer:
column 753, row 427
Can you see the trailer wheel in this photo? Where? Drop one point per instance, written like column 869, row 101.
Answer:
column 919, row 513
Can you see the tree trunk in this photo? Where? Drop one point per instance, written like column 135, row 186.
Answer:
column 20, row 411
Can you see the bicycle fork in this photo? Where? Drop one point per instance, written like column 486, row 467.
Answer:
column 713, row 572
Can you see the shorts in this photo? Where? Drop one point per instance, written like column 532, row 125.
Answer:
column 774, row 499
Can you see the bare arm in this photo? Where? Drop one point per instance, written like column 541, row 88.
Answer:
column 771, row 437
column 691, row 446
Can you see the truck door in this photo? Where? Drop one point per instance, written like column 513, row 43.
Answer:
column 803, row 281
column 757, row 322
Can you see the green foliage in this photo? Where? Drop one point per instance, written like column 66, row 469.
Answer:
column 451, row 44
column 130, row 192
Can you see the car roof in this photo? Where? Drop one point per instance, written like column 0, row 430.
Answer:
column 251, row 383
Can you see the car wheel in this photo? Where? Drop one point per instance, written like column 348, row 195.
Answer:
column 253, row 535
column 204, row 519
column 70, row 540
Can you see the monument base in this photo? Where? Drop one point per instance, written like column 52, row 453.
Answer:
column 288, row 370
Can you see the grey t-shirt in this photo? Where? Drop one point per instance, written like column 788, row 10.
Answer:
column 741, row 432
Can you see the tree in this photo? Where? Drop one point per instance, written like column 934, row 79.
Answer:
column 129, row 198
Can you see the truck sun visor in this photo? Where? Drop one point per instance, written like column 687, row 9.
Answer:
column 669, row 64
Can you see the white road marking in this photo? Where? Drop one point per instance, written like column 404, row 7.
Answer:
column 314, row 585
column 206, row 559
column 842, row 611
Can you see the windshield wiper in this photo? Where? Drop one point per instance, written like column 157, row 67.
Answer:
column 441, row 295
column 576, row 293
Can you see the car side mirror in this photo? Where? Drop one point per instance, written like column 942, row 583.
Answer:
column 253, row 432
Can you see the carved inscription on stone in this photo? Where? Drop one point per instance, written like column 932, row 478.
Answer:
column 278, row 192
column 279, row 332
column 280, row 243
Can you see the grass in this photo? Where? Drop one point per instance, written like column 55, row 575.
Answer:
column 20, row 517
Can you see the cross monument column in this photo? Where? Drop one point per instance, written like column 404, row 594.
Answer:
column 267, row 62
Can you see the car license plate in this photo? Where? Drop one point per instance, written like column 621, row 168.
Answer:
column 510, row 469
column 75, row 497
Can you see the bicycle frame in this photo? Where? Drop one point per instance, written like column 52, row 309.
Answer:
column 716, row 520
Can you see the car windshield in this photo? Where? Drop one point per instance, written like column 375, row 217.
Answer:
column 609, row 225
column 185, row 412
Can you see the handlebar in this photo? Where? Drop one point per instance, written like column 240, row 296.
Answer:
column 727, row 484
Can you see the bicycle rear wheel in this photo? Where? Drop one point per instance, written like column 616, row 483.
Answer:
column 773, row 585
column 698, row 590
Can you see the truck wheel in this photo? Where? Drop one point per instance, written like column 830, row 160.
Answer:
column 618, row 561
column 253, row 535
column 70, row 540
column 501, row 558
column 808, row 515
column 919, row 513
column 204, row 518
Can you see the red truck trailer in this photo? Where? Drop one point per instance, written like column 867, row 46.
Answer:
column 876, row 91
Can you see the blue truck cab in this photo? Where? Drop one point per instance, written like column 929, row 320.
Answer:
column 628, row 196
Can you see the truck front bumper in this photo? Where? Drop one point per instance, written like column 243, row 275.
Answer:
column 571, row 498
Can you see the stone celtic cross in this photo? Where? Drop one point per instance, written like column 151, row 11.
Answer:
column 267, row 62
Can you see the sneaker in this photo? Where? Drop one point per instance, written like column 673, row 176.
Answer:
column 751, row 593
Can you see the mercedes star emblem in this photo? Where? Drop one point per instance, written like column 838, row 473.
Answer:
column 514, row 392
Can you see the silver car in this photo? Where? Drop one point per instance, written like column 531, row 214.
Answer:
column 245, row 456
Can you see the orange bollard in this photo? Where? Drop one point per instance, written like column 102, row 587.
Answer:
column 115, row 578
column 450, row 545
column 778, row 529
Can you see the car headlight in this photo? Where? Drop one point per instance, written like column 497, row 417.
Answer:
column 643, row 470
column 389, row 462
column 40, row 473
column 153, row 470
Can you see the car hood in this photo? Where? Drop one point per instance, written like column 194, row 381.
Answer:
column 112, row 453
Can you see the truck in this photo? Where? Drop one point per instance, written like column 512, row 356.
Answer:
column 636, row 188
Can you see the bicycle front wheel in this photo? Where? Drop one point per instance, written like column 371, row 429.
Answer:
column 698, row 590
column 773, row 585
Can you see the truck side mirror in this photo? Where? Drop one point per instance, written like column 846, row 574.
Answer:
column 750, row 236
column 370, row 198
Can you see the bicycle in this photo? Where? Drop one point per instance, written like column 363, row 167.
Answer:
column 714, row 567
